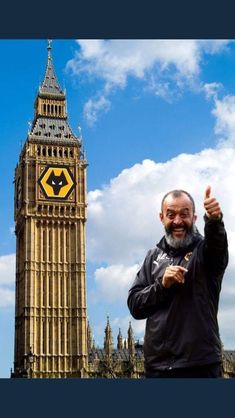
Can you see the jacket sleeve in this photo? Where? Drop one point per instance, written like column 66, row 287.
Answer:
column 146, row 294
column 215, row 245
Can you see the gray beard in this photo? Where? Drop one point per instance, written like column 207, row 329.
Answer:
column 183, row 242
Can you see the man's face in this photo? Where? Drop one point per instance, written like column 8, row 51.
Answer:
column 177, row 216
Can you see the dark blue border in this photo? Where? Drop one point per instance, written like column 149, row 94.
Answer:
column 120, row 19
column 117, row 19
column 108, row 398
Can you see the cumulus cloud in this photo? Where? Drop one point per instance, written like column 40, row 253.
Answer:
column 7, row 269
column 7, row 297
column 94, row 107
column 123, row 324
column 212, row 46
column 165, row 66
column 211, row 90
column 224, row 111
column 226, row 321
column 115, row 60
column 7, row 280
column 114, row 280
column 12, row 230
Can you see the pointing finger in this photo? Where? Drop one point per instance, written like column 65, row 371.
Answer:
column 178, row 268
column 182, row 269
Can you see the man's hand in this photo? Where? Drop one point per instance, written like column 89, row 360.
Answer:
column 173, row 274
column 211, row 205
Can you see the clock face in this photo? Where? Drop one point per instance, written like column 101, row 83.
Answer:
column 56, row 182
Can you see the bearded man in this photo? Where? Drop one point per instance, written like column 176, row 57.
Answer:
column 177, row 289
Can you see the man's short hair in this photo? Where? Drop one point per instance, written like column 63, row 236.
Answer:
column 178, row 193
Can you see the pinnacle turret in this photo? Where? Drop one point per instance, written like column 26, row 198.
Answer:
column 89, row 337
column 120, row 340
column 131, row 340
column 108, row 340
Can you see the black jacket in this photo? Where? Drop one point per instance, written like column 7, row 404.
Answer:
column 181, row 327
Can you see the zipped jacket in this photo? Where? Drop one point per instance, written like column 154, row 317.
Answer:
column 181, row 327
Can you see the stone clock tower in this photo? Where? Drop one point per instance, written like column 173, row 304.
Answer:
column 50, row 215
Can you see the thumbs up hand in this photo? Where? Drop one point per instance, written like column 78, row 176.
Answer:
column 211, row 205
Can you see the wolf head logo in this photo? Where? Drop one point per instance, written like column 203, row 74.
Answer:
column 57, row 182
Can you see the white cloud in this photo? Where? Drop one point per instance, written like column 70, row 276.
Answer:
column 224, row 111
column 94, row 107
column 165, row 66
column 212, row 46
column 123, row 324
column 7, row 297
column 226, row 322
column 7, row 269
column 211, row 90
column 7, row 280
column 113, row 281
column 114, row 60
column 12, row 229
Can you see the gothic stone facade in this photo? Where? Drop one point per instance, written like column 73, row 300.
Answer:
column 50, row 215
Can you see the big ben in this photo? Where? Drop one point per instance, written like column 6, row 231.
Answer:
column 50, row 216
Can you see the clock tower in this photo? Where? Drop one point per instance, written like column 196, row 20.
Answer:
column 50, row 216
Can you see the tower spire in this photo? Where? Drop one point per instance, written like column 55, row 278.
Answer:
column 50, row 85
column 50, row 116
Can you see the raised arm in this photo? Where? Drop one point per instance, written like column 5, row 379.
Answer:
column 215, row 244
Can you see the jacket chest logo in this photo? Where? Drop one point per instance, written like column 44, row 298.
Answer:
column 188, row 256
column 162, row 258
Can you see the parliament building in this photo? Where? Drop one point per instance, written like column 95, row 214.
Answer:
column 53, row 338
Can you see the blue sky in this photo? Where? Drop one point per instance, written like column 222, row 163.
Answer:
column 154, row 115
